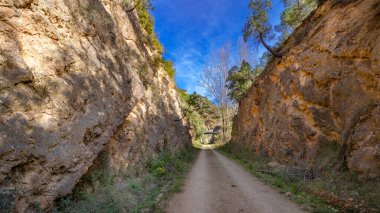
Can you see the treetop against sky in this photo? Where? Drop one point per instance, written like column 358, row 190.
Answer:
column 190, row 29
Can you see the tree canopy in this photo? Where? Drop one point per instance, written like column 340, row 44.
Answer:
column 239, row 80
column 258, row 28
column 199, row 103
column 257, row 25
column 294, row 13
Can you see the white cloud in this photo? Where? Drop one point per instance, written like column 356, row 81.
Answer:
column 189, row 70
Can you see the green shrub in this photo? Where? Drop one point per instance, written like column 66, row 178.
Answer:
column 159, row 171
column 147, row 23
column 198, row 124
column 183, row 96
column 169, row 68
column 157, row 61
column 167, row 65
column 134, row 185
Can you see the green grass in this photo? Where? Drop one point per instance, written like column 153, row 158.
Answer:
column 168, row 172
column 134, row 185
column 158, row 179
column 330, row 191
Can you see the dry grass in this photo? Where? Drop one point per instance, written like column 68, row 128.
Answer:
column 158, row 179
column 324, row 191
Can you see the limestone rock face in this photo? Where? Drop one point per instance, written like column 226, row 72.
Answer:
column 320, row 103
column 76, row 79
column 144, row 133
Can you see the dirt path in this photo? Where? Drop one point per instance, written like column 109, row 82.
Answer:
column 217, row 184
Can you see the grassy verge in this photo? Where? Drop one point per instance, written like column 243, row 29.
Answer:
column 157, row 180
column 329, row 191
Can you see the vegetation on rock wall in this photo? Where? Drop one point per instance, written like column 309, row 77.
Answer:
column 146, row 21
column 169, row 68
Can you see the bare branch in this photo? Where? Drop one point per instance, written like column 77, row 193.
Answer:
column 134, row 7
column 215, row 74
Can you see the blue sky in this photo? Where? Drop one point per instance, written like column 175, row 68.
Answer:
column 190, row 29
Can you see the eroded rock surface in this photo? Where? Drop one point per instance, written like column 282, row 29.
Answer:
column 320, row 103
column 75, row 76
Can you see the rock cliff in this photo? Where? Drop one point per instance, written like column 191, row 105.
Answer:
column 77, row 77
column 320, row 104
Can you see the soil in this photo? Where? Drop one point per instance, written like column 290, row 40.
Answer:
column 217, row 184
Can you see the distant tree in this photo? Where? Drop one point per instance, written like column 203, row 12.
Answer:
column 244, row 52
column 214, row 81
column 199, row 103
column 257, row 70
column 296, row 11
column 239, row 80
column 198, row 123
column 257, row 26
column 215, row 74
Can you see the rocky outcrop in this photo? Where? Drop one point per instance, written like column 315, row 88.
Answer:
column 149, row 129
column 320, row 103
column 76, row 79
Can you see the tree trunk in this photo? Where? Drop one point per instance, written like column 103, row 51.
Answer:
column 298, row 5
column 228, row 126
column 278, row 55
column 223, row 123
column 226, row 123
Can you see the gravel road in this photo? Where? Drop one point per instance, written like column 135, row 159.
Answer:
column 217, row 184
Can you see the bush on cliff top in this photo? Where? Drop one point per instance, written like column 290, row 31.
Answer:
column 146, row 20
column 169, row 68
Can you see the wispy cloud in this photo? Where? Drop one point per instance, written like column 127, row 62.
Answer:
column 189, row 70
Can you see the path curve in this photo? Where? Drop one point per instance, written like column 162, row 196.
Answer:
column 216, row 184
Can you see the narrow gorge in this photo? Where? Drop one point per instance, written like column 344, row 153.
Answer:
column 97, row 116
